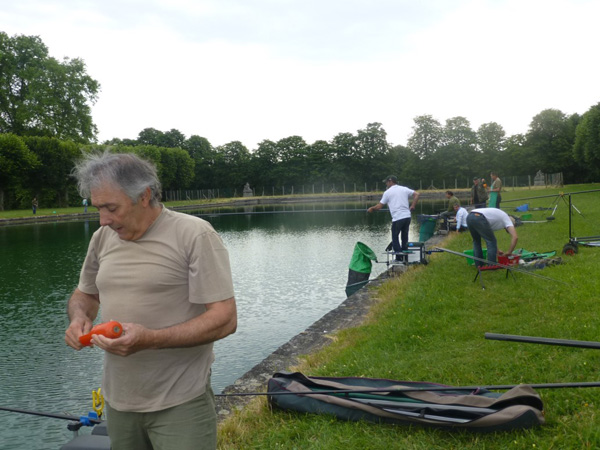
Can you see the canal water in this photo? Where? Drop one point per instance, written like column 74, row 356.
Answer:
column 289, row 264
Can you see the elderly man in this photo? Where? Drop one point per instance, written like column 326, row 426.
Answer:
column 482, row 223
column 396, row 197
column 166, row 277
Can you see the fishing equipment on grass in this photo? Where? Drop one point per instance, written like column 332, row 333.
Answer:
column 407, row 402
column 502, row 266
column 572, row 247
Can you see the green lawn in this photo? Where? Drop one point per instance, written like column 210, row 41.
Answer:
column 429, row 325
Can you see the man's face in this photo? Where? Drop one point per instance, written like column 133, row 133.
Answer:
column 476, row 181
column 118, row 212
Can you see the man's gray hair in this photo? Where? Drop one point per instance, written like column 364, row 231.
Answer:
column 124, row 171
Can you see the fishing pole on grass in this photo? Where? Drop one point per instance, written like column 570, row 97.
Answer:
column 503, row 266
column 549, row 196
column 498, row 387
column 542, row 340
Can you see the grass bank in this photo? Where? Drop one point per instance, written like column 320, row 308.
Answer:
column 429, row 325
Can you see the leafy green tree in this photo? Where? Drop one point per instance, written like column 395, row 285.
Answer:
column 293, row 151
column 40, row 96
column 491, row 142
column 319, row 160
column 151, row 153
column 232, row 164
column 198, row 147
column 168, row 169
column 371, row 142
column 346, row 163
column 169, row 139
column 184, row 172
column 150, row 136
column 173, row 139
column 372, row 148
column 456, row 154
column 425, row 141
column 57, row 159
column 517, row 159
column 203, row 154
column 16, row 161
column 426, row 136
column 122, row 142
column 404, row 163
column 265, row 164
column 551, row 137
column 586, row 149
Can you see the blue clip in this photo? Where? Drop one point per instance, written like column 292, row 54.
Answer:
column 87, row 420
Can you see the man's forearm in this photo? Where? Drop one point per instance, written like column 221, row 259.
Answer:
column 82, row 305
column 376, row 207
column 416, row 196
column 513, row 239
column 219, row 321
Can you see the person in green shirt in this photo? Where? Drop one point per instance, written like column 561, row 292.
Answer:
column 452, row 200
column 497, row 188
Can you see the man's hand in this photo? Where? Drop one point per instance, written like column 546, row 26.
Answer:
column 78, row 327
column 82, row 310
column 131, row 341
column 377, row 207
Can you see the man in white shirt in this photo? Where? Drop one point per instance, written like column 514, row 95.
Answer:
column 396, row 197
column 482, row 223
column 461, row 218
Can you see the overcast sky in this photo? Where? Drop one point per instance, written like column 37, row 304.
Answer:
column 249, row 70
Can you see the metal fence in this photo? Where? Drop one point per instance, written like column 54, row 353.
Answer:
column 508, row 182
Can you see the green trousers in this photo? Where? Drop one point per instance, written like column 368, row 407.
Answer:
column 189, row 426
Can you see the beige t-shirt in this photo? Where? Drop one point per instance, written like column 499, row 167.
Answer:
column 497, row 184
column 162, row 279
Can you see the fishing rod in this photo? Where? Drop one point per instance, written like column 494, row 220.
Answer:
column 361, row 282
column 392, row 390
column 560, row 194
column 504, row 266
column 542, row 340
column 85, row 420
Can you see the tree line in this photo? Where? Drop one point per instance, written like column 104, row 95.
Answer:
column 46, row 123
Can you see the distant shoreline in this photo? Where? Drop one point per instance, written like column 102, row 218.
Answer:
column 244, row 201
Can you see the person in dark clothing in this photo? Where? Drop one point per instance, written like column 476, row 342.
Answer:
column 478, row 194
